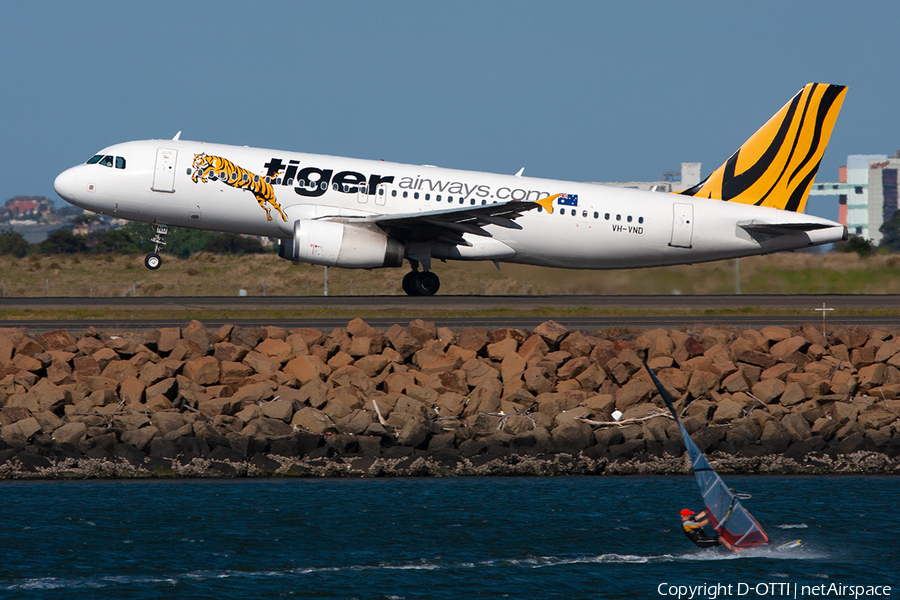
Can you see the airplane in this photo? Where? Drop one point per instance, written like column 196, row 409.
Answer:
column 356, row 213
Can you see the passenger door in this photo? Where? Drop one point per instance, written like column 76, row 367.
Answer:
column 164, row 174
column 682, row 225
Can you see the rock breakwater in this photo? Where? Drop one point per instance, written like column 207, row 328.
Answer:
column 423, row 400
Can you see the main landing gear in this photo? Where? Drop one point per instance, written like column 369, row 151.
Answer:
column 420, row 283
column 153, row 261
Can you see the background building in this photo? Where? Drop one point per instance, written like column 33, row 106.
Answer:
column 882, row 178
column 868, row 193
column 690, row 176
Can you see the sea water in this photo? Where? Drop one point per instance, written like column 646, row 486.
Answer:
column 566, row 537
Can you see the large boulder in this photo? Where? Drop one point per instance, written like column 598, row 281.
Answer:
column 572, row 437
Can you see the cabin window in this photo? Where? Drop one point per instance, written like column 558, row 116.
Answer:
column 336, row 187
column 405, row 194
column 324, row 186
column 472, row 202
column 289, row 181
column 437, row 198
column 362, row 190
column 640, row 219
column 483, row 202
column 618, row 217
column 381, row 191
column 562, row 211
column 394, row 193
column 255, row 178
column 415, row 195
column 428, row 196
column 450, row 199
column 267, row 179
column 629, row 218
column 278, row 181
column 606, row 216
column 584, row 214
column 120, row 162
column 234, row 176
column 462, row 200
column 596, row 215
column 540, row 209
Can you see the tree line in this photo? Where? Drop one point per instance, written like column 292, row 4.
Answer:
column 133, row 238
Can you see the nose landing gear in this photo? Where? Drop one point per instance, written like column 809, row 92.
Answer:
column 153, row 261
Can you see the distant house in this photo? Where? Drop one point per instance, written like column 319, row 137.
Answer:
column 26, row 206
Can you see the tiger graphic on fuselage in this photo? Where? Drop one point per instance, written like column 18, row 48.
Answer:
column 208, row 167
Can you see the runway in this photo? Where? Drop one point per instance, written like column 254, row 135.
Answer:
column 522, row 312
column 460, row 303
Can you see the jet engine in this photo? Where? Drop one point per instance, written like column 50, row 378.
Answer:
column 341, row 245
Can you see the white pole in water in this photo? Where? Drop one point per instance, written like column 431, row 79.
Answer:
column 325, row 291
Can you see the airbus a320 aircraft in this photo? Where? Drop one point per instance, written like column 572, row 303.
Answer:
column 354, row 213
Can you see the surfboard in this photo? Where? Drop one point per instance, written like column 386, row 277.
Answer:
column 790, row 544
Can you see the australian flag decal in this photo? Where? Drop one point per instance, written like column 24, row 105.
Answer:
column 568, row 200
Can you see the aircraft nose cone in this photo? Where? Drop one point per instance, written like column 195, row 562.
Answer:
column 65, row 185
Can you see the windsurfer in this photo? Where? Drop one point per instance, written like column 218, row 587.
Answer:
column 693, row 525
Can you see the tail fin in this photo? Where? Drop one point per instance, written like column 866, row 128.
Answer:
column 777, row 165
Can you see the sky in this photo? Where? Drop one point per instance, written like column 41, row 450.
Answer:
column 574, row 90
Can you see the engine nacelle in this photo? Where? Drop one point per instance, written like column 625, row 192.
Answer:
column 341, row 245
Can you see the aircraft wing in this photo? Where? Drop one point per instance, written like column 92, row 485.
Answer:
column 449, row 225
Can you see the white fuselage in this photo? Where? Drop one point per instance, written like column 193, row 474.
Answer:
column 609, row 228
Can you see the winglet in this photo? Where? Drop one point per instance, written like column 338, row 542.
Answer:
column 777, row 165
column 547, row 202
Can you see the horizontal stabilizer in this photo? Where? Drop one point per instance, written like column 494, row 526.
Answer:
column 781, row 228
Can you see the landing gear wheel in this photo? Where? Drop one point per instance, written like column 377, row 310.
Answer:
column 409, row 283
column 152, row 261
column 427, row 283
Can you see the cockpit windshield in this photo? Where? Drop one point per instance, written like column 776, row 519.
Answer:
column 107, row 161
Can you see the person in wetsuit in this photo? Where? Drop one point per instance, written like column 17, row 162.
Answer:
column 693, row 525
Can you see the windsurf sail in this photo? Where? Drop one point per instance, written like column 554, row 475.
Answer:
column 726, row 514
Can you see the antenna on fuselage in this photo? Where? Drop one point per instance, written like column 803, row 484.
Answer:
column 519, row 174
column 177, row 135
